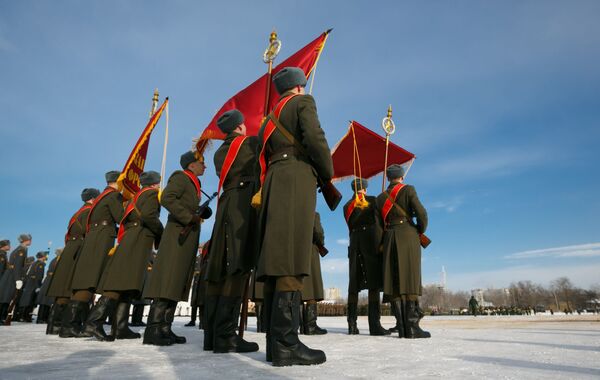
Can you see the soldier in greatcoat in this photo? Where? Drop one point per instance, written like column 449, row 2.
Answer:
column 123, row 278
column 233, row 243
column 174, row 266
column 290, row 169
column 312, row 289
column 32, row 285
column 12, row 279
column 44, row 301
column 364, row 256
column 60, row 320
column 4, row 249
column 400, row 207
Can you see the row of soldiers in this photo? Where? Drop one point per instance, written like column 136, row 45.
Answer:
column 266, row 231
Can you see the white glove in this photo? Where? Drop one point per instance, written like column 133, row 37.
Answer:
column 19, row 284
column 37, row 290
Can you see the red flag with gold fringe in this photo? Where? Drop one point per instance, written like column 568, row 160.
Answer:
column 129, row 180
column 251, row 100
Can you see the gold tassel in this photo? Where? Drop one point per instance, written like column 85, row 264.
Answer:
column 112, row 251
column 361, row 202
column 257, row 199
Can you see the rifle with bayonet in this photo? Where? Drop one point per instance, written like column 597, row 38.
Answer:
column 203, row 212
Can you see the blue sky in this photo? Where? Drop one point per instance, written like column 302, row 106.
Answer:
column 498, row 100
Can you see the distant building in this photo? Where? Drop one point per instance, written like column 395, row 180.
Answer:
column 333, row 294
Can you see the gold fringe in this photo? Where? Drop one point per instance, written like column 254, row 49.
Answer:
column 112, row 251
column 361, row 202
column 257, row 199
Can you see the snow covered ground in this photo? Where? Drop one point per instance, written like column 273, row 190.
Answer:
column 509, row 347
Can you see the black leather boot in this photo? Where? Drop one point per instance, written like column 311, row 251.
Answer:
column 192, row 321
column 120, row 328
column 200, row 317
column 95, row 321
column 286, row 348
column 137, row 316
column 226, row 322
column 166, row 327
column 375, row 327
column 72, row 319
column 210, row 308
column 310, row 320
column 412, row 330
column 28, row 314
column 54, row 319
column 301, row 313
column 42, row 316
column 156, row 317
column 352, row 316
column 267, row 314
column 396, row 308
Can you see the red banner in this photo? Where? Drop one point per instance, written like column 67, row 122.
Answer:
column 251, row 100
column 129, row 180
column 368, row 158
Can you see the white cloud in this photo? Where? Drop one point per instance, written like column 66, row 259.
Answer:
column 447, row 205
column 344, row 242
column 581, row 250
column 334, row 266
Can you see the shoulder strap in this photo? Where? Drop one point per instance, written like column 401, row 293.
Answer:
column 391, row 201
column 194, row 180
column 106, row 191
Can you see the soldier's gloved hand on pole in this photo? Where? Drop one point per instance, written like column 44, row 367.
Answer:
column 19, row 284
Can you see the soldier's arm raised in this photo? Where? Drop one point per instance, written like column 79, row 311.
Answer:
column 313, row 137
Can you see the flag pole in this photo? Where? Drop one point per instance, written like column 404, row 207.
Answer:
column 163, row 166
column 268, row 57
column 389, row 128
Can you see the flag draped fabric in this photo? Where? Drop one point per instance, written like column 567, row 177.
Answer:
column 251, row 100
column 361, row 153
column 129, row 180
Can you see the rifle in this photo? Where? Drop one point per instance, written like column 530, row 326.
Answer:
column 11, row 307
column 203, row 211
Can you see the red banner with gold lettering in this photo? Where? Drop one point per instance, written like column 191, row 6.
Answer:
column 129, row 180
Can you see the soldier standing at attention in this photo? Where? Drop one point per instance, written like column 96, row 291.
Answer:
column 32, row 285
column 43, row 300
column 287, row 213
column 473, row 304
column 399, row 205
column 106, row 212
column 4, row 248
column 12, row 280
column 174, row 264
column 233, row 245
column 365, row 258
column 123, row 278
column 60, row 284
column 312, row 289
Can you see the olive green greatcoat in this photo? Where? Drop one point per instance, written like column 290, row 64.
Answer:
column 401, row 246
column 42, row 297
column 14, row 271
column 364, row 256
column 289, row 192
column 233, row 244
column 98, row 241
column 198, row 283
column 60, row 284
column 126, row 269
column 2, row 263
column 312, row 288
column 33, row 280
column 174, row 265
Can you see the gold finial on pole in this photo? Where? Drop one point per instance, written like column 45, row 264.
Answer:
column 389, row 128
column 154, row 102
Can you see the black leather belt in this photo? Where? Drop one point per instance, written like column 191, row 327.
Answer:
column 132, row 224
column 75, row 237
column 362, row 228
column 285, row 154
column 238, row 183
column 397, row 222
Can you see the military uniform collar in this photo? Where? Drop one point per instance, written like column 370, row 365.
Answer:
column 287, row 93
column 232, row 136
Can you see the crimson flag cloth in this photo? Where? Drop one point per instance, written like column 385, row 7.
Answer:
column 251, row 100
column 129, row 180
column 361, row 153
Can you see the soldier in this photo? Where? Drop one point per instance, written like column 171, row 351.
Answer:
column 295, row 155
column 312, row 290
column 473, row 305
column 43, row 300
column 32, row 285
column 106, row 212
column 399, row 204
column 364, row 256
column 60, row 284
column 12, row 280
column 123, row 278
column 4, row 248
column 174, row 265
column 233, row 247
column 195, row 286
